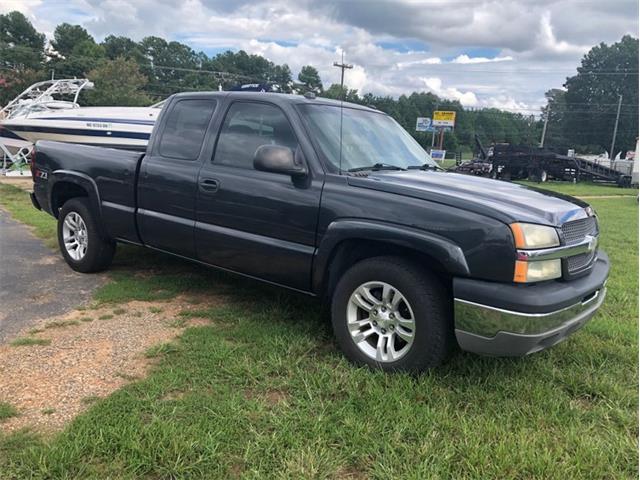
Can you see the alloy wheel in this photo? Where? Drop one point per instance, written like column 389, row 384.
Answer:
column 380, row 321
column 75, row 236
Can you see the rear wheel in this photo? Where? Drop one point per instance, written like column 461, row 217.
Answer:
column 544, row 176
column 388, row 313
column 81, row 241
column 539, row 176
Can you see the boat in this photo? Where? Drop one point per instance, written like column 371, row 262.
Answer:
column 49, row 110
column 113, row 127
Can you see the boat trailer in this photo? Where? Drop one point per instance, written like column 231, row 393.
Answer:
column 519, row 162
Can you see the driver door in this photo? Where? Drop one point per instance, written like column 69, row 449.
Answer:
column 256, row 223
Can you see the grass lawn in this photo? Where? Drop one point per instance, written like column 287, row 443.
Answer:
column 262, row 392
column 17, row 202
column 583, row 189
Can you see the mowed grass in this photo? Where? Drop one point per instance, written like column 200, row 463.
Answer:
column 263, row 392
column 16, row 201
column 586, row 189
column 7, row 411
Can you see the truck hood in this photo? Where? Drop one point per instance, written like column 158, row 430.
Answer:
column 504, row 201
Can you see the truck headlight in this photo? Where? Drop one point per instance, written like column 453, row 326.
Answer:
column 539, row 271
column 531, row 236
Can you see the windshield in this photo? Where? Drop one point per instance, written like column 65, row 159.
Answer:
column 368, row 138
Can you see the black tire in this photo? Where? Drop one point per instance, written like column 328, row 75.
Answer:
column 539, row 176
column 544, row 176
column 99, row 249
column 428, row 299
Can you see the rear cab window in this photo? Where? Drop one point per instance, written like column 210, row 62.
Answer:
column 185, row 128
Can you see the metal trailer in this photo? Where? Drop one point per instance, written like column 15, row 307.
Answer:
column 518, row 162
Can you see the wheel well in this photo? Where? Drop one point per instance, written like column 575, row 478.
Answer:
column 350, row 252
column 64, row 191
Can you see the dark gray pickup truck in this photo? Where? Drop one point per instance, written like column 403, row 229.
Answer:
column 339, row 202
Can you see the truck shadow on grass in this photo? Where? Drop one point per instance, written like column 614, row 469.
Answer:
column 148, row 275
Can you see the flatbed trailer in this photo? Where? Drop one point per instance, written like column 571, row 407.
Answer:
column 517, row 162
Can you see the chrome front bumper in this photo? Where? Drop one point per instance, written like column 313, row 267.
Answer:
column 510, row 320
column 517, row 334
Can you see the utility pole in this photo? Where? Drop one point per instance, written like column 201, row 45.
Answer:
column 433, row 132
column 342, row 66
column 544, row 127
column 615, row 132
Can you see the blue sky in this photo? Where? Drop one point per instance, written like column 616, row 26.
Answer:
column 497, row 53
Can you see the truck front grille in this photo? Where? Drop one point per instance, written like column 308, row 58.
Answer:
column 575, row 231
column 580, row 262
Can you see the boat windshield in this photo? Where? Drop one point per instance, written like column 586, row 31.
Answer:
column 369, row 139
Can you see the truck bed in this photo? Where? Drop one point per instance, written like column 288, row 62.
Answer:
column 110, row 173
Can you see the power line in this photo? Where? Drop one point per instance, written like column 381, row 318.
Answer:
column 475, row 67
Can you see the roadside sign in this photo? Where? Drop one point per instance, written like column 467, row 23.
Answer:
column 438, row 155
column 423, row 124
column 444, row 118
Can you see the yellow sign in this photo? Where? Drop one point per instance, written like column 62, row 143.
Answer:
column 444, row 119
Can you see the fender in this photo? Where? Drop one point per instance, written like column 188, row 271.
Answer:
column 447, row 252
column 80, row 179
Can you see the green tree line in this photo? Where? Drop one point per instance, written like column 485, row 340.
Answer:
column 583, row 114
column 131, row 73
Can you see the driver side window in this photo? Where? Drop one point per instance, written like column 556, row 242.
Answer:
column 248, row 126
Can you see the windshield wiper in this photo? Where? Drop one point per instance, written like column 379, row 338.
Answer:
column 426, row 166
column 377, row 166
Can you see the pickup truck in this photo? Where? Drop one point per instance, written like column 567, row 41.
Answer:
column 339, row 202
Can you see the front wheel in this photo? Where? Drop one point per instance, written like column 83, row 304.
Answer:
column 389, row 314
column 81, row 242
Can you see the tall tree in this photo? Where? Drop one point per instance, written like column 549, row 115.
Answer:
column 281, row 75
column 606, row 71
column 76, row 52
column 310, row 78
column 169, row 65
column 118, row 82
column 21, row 45
column 342, row 93
column 115, row 47
column 67, row 36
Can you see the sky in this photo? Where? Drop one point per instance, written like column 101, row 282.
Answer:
column 484, row 53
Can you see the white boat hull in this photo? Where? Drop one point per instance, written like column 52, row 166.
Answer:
column 114, row 127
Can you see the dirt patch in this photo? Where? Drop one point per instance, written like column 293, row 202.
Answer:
column 50, row 384
column 270, row 397
column 351, row 473
column 25, row 183
column 48, row 260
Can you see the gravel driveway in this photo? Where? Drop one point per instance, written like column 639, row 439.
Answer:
column 35, row 282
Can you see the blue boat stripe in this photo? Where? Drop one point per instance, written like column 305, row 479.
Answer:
column 98, row 119
column 82, row 132
column 9, row 134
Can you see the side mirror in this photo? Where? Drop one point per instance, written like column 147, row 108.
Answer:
column 278, row 159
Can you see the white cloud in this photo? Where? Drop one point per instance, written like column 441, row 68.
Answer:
column 424, row 61
column 503, row 53
column 505, row 102
column 25, row 6
column 466, row 59
column 434, row 84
